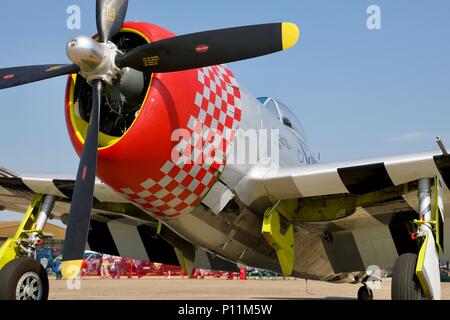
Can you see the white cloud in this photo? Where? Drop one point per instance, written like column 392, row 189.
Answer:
column 411, row 137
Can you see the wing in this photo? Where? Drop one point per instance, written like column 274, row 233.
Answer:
column 16, row 191
column 349, row 215
column 356, row 177
column 117, row 226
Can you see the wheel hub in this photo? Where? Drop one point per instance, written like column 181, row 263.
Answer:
column 29, row 287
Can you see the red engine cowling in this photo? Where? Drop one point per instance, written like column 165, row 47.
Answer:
column 139, row 164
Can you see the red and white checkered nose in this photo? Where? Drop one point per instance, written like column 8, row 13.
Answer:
column 203, row 103
column 215, row 116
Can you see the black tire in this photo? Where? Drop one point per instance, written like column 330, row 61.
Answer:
column 365, row 294
column 405, row 285
column 19, row 272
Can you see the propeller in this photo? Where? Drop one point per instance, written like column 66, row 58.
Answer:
column 101, row 62
column 110, row 16
column 209, row 48
column 11, row 77
column 80, row 209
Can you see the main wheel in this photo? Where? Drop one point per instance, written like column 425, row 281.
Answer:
column 405, row 285
column 365, row 294
column 23, row 279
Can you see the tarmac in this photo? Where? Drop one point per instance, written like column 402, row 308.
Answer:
column 159, row 288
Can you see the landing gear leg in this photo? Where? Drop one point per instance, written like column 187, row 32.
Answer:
column 21, row 276
column 417, row 276
column 365, row 293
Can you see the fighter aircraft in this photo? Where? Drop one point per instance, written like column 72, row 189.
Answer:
column 141, row 193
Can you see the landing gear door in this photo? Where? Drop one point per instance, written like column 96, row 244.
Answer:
column 439, row 215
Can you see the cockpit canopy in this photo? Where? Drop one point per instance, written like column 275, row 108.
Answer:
column 284, row 115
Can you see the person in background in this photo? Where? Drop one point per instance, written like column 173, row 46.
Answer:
column 57, row 270
column 104, row 271
column 115, row 268
column 138, row 266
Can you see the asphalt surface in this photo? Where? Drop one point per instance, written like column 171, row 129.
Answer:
column 153, row 288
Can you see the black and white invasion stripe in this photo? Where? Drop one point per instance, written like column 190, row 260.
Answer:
column 62, row 188
column 4, row 173
column 357, row 177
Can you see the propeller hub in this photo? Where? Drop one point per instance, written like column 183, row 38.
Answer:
column 86, row 53
column 96, row 60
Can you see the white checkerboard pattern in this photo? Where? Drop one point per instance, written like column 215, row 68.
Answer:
column 220, row 112
column 186, row 182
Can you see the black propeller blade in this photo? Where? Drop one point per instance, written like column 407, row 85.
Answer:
column 110, row 17
column 211, row 47
column 80, row 209
column 11, row 77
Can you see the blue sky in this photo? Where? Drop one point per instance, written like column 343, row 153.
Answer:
column 358, row 93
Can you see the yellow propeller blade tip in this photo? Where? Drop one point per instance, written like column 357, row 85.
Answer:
column 71, row 269
column 290, row 34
